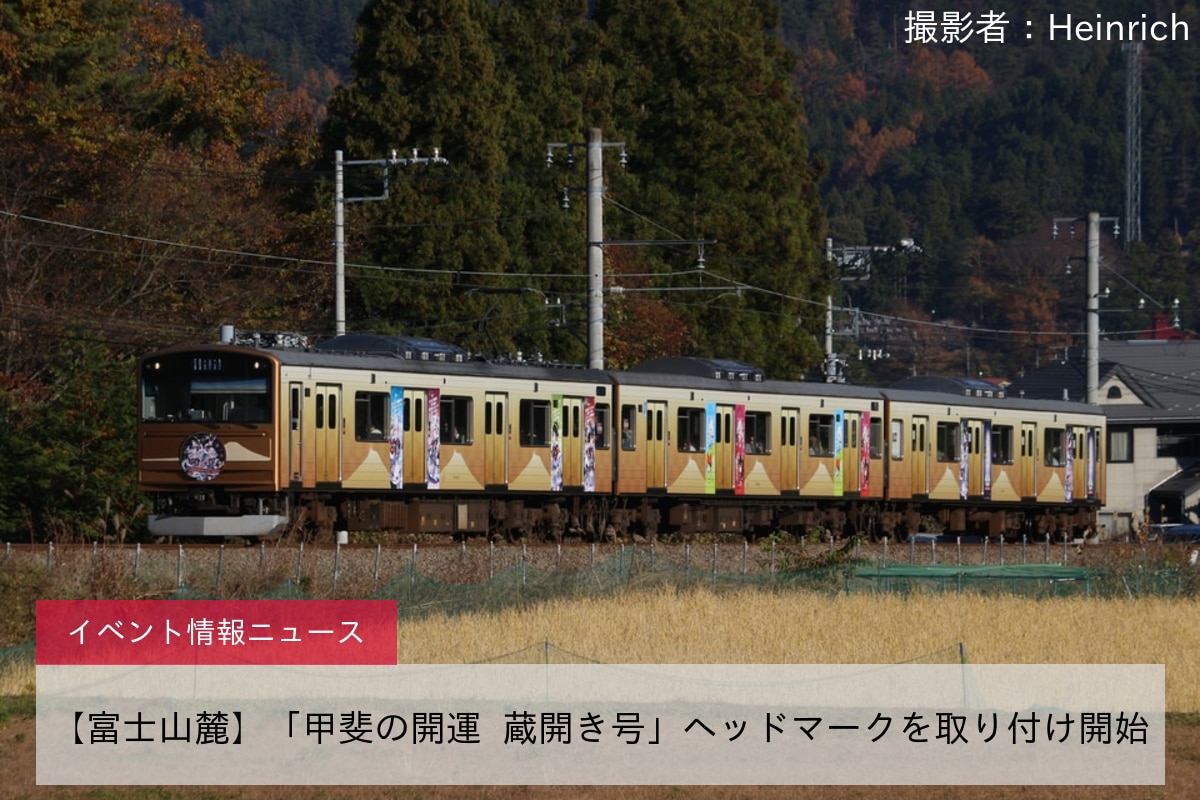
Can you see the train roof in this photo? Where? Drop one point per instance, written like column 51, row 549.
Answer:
column 393, row 356
column 406, row 347
column 419, row 356
column 698, row 367
column 735, row 381
column 1017, row 404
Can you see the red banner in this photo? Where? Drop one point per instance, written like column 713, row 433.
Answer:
column 211, row 632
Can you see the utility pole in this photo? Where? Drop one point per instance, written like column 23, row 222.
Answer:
column 831, row 375
column 1093, row 297
column 595, row 233
column 339, row 214
column 1133, row 142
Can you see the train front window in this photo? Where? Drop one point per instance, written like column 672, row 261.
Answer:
column 206, row 387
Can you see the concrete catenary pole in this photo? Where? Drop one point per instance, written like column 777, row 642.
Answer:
column 1093, row 308
column 595, row 233
column 339, row 216
column 339, row 243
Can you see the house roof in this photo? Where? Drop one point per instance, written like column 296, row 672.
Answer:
column 1163, row 375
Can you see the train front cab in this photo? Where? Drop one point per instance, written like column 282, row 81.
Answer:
column 207, row 442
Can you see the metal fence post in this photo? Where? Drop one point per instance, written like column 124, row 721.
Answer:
column 220, row 567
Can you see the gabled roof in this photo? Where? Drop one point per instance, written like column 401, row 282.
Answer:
column 1164, row 375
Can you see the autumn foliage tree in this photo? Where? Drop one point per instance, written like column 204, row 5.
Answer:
column 136, row 190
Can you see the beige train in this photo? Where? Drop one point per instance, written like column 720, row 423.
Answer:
column 377, row 433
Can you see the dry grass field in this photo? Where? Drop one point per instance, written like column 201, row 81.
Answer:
column 754, row 627
column 697, row 626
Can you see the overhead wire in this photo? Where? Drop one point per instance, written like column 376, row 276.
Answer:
column 252, row 260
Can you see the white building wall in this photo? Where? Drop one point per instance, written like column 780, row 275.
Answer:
column 1129, row 482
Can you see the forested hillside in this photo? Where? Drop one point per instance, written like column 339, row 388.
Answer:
column 967, row 148
column 971, row 149
column 309, row 43
column 156, row 181
column 154, row 187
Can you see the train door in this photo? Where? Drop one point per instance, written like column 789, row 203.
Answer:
column 919, row 453
column 295, row 417
column 789, row 453
column 571, row 441
column 724, row 448
column 495, row 438
column 414, row 436
column 1088, row 448
column 974, row 457
column 656, row 444
column 1077, row 447
column 1028, row 459
column 851, row 452
column 327, row 420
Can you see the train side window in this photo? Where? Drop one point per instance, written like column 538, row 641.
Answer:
column 876, row 437
column 898, row 439
column 1053, row 447
column 320, row 415
column 534, row 425
column 949, row 441
column 603, row 413
column 689, row 434
column 820, row 435
column 629, row 427
column 1002, row 444
column 758, row 432
column 456, row 420
column 370, row 416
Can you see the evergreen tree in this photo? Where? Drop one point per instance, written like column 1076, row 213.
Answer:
column 716, row 152
column 714, row 131
column 426, row 76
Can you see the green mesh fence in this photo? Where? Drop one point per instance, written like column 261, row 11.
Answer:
column 417, row 594
column 1023, row 580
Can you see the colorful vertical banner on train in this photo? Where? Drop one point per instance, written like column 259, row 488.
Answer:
column 964, row 458
column 839, row 442
column 710, row 448
column 396, row 437
column 1069, row 465
column 433, row 438
column 589, row 444
column 556, row 427
column 987, row 458
column 739, row 449
column 1091, row 464
column 864, row 455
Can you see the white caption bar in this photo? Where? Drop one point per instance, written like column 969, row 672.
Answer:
column 602, row 724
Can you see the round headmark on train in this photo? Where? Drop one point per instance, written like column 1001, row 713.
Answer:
column 202, row 456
